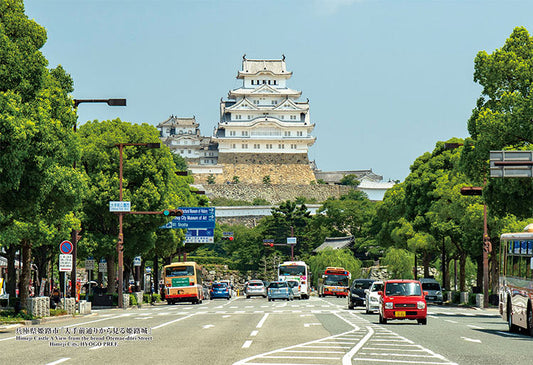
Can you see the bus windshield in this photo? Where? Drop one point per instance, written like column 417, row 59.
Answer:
column 336, row 280
column 179, row 271
column 292, row 270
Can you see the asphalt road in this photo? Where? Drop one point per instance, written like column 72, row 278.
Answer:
column 255, row 331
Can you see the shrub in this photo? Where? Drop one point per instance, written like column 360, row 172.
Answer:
column 57, row 312
column 147, row 298
column 133, row 299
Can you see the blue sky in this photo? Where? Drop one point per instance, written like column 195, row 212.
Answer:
column 385, row 79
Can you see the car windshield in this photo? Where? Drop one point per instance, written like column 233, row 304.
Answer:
column 403, row 289
column 278, row 285
column 430, row 286
column 361, row 284
column 336, row 280
column 377, row 287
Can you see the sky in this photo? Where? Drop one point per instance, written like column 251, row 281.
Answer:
column 386, row 80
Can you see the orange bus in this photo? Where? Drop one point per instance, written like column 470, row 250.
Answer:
column 516, row 279
column 182, row 283
column 334, row 281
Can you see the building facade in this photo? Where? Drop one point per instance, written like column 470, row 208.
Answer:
column 262, row 122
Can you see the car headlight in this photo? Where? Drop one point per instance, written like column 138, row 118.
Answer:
column 388, row 305
column 438, row 293
column 373, row 299
column 421, row 305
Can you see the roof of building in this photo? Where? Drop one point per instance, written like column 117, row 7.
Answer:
column 263, row 90
column 254, row 67
column 336, row 176
column 335, row 243
column 175, row 121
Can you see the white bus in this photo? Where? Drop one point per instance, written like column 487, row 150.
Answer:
column 296, row 270
column 516, row 279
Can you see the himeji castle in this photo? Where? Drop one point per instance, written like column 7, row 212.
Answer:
column 263, row 117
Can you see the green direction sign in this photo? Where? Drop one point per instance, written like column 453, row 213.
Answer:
column 180, row 282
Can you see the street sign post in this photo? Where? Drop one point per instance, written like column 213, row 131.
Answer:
column 102, row 266
column 511, row 163
column 199, row 223
column 137, row 261
column 119, row 206
column 66, row 247
column 65, row 262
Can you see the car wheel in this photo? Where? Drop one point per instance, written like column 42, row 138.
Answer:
column 382, row 320
column 422, row 321
column 512, row 327
column 530, row 320
column 264, row 296
column 247, row 297
column 350, row 305
column 169, row 302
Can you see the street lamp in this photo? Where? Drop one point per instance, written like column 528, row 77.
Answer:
column 120, row 242
column 74, row 234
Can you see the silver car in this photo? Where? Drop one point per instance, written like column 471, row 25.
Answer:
column 433, row 289
column 372, row 296
column 255, row 288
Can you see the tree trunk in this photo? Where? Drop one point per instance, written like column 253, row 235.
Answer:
column 462, row 272
column 26, row 273
column 447, row 279
column 495, row 266
column 11, row 281
column 156, row 274
column 111, row 274
column 479, row 273
column 426, row 261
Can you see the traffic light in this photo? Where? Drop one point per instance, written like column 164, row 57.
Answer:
column 227, row 238
column 173, row 212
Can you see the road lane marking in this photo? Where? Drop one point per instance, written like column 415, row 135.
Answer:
column 262, row 321
column 312, row 324
column 471, row 339
column 226, row 316
column 254, row 333
column 176, row 320
column 247, row 344
column 347, row 358
column 59, row 361
column 208, row 326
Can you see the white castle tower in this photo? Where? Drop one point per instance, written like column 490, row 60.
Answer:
column 263, row 122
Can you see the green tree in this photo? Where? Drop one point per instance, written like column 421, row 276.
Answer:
column 149, row 183
column 502, row 120
column 350, row 180
column 39, row 188
column 399, row 263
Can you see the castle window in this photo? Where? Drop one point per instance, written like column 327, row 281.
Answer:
column 244, row 146
column 269, row 82
column 275, row 82
column 274, row 102
column 232, row 133
column 233, row 146
column 257, row 146
column 268, row 146
column 282, row 117
column 252, row 82
column 249, row 117
column 299, row 133
column 172, row 131
column 256, row 102
column 189, row 152
column 238, row 116
column 264, row 82
column 244, row 133
column 293, row 146
column 293, row 117
column 287, row 133
column 281, row 146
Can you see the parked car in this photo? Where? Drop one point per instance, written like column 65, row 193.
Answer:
column 357, row 294
column 255, row 288
column 372, row 297
column 433, row 289
column 220, row 290
column 279, row 290
column 402, row 299
column 295, row 287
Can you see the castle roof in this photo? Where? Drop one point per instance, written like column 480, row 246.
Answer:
column 336, row 243
column 256, row 67
column 182, row 122
column 263, row 90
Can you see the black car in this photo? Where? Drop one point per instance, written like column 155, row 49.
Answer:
column 357, row 293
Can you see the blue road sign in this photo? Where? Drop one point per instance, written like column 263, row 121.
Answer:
column 66, row 247
column 193, row 218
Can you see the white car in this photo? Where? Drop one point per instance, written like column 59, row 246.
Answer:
column 295, row 287
column 372, row 296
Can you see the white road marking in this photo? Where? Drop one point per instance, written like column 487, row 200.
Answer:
column 59, row 361
column 347, row 359
column 312, row 324
column 262, row 321
column 226, row 316
column 254, row 333
column 247, row 344
column 208, row 326
column 176, row 320
column 471, row 339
